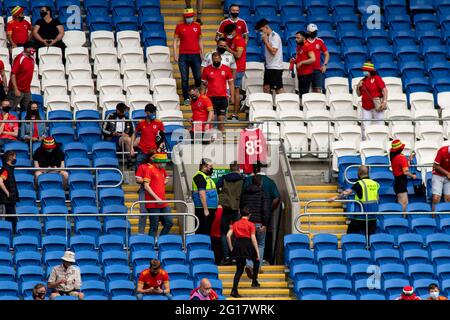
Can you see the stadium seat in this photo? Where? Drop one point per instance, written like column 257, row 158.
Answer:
column 114, row 257
column 177, row 272
column 332, row 272
column 209, row 271
column 7, row 273
column 415, row 256
column 423, row 226
column 300, row 256
column 93, row 288
column 386, row 256
column 308, row 287
column 83, row 197
column 396, row 226
column 29, row 228
column 53, row 258
column 116, row 272
column 90, row 228
column 56, row 226
column 30, row 273
column 110, row 242
column 196, row 242
column 437, row 241
column 181, row 287
column 390, row 271
column 201, row 256
column 142, row 257
column 141, row 242
column 325, row 257
column 170, row 242
column 325, row 242
column 443, row 272
column 410, row 241
column 440, row 256
column 380, row 241
column 91, row 273
column 81, row 242
column 27, row 258
column 25, row 243
column 420, row 271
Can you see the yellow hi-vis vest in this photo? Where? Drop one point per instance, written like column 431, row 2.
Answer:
column 369, row 198
column 212, row 198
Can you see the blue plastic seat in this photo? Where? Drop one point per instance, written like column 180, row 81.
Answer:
column 390, row 271
column 359, row 271
column 198, row 241
column 89, row 135
column 341, row 297
column 27, row 258
column 63, row 135
column 26, row 288
column 24, row 181
column 420, row 271
column 6, row 259
column 78, row 181
column 152, row 297
column 120, row 228
column 395, row 226
column 111, row 196
column 53, row 197
column 421, row 285
column 372, row 297
column 108, row 178
column 304, row 271
column 125, row 23
column 83, row 197
column 53, row 258
column 325, row 242
column 87, row 115
column 141, row 242
column 386, row 256
column 142, row 257
column 60, row 115
column 29, row 228
column 293, row 242
column 264, row 7
column 75, row 150
column 394, row 286
column 81, row 242
column 313, row 297
column 329, row 257
column 103, row 149
column 357, row 256
column 363, row 287
column 90, row 228
column 25, row 243
column 339, row 286
column 334, row 271
column 110, row 242
column 201, row 271
column 440, row 256
column 5, row 244
column 424, row 226
column 116, row 272
column 27, row 198
column 170, row 242
column 415, row 256
column 300, row 256
column 290, row 7
column 93, row 288
column 114, row 257
column 437, row 241
column 111, row 210
column 410, row 241
column 30, row 273
column 177, row 272
column 87, row 257
column 86, row 211
column 307, row 287
column 154, row 38
column 181, row 287
column 9, row 288
column 171, row 257
column 443, row 272
column 57, row 228
column 5, row 229
column 197, row 257
column 21, row 149
column 7, row 273
column 91, row 272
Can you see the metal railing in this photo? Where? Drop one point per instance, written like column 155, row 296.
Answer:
column 288, row 172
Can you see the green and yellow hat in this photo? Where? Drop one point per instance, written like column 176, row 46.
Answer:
column 397, row 145
column 16, row 10
column 188, row 12
column 368, row 67
column 160, row 157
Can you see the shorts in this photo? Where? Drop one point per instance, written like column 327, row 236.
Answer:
column 439, row 183
column 220, row 105
column 400, row 184
column 274, row 78
column 317, row 78
column 238, row 80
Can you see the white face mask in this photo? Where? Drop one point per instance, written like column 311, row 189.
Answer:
column 366, row 73
column 434, row 294
column 189, row 20
column 230, row 36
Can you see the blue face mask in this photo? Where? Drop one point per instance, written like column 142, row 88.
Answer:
column 366, row 73
column 151, row 116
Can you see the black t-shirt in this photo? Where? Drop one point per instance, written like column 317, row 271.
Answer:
column 49, row 159
column 200, row 182
column 48, row 31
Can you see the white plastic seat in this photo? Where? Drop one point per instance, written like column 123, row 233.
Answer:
column 446, row 122
column 318, row 115
column 286, row 72
column 49, row 55
column 81, row 86
column 52, row 71
column 370, row 148
column 35, row 86
column 139, row 101
column 164, row 86
column 170, row 116
column 403, row 132
column 57, row 102
column 84, row 102
column 79, row 71
column 340, row 101
column 133, row 71
column 4, row 55
column 377, row 132
column 136, row 86
column 8, row 74
column 350, row 133
column 54, row 87
column 289, row 85
column 295, row 140
column 107, row 71
column 295, row 117
column 254, row 70
column 287, row 101
column 393, row 85
column 109, row 102
column 77, row 55
column 350, row 117
column 101, row 39
column 259, row 115
column 127, row 39
column 321, row 138
column 314, row 101
column 399, row 117
column 74, row 38
column 109, row 86
column 131, row 55
column 342, row 148
column 426, row 153
column 158, row 54
column 160, row 70
column 396, row 101
column 421, row 100
column 16, row 51
column 166, row 101
column 420, row 115
column 260, row 101
column 443, row 100
column 355, row 98
column 105, row 55
column 253, row 85
column 430, row 132
column 336, row 85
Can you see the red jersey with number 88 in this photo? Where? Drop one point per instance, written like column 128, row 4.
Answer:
column 252, row 148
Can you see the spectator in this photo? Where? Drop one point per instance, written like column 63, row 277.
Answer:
column 238, row 48
column 216, row 236
column 441, row 175
column 204, row 195
column 244, row 247
column 18, row 29
column 65, row 279
column 9, row 195
column 153, row 280
column 257, row 202
column 49, row 31
column 119, row 132
column 230, row 189
column 433, row 290
column 319, row 47
column 204, row 291
column 19, row 92
column 3, row 79
column 155, row 180
column 304, row 61
column 188, row 39
column 241, row 25
column 140, row 175
column 273, row 52
column 202, row 111
column 39, row 292
column 373, row 93
column 215, row 79
column 199, row 9
column 400, row 169
column 49, row 155
column 408, row 294
column 366, row 191
column 227, row 58
column 9, row 130
column 33, row 131
column 152, row 134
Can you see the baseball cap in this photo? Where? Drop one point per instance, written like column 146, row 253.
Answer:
column 311, row 27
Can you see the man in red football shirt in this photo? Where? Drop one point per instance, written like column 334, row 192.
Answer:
column 202, row 111
column 188, row 51
column 241, row 25
column 319, row 47
column 18, row 30
column 3, row 91
column 9, row 130
column 153, row 280
column 238, row 49
column 441, row 176
column 215, row 78
column 152, row 134
column 19, row 92
column 304, row 61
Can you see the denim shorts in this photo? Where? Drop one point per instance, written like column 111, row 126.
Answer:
column 238, row 81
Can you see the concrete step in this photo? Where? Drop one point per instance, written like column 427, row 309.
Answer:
column 331, row 188
column 262, row 276
column 316, row 195
column 322, row 219
column 264, row 284
column 322, row 204
column 260, row 292
column 273, row 269
column 262, row 298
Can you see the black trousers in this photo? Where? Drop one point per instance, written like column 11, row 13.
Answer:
column 304, row 82
column 359, row 227
column 2, row 92
column 205, row 222
column 240, row 266
column 10, row 208
column 216, row 244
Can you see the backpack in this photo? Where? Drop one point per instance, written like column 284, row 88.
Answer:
column 230, row 195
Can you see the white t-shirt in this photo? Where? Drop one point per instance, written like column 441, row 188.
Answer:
column 120, row 126
column 274, row 61
column 227, row 60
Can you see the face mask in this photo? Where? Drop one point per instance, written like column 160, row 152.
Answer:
column 41, row 295
column 20, row 18
column 216, row 64
column 209, row 172
column 121, row 116
column 13, row 163
column 193, row 98
column 6, row 109
column 49, row 150
column 189, row 20
column 43, row 14
column 151, row 116
column 434, row 295
column 312, row 35
column 34, row 112
column 221, row 50
column 301, row 42
column 234, row 15
column 230, row 36
column 366, row 73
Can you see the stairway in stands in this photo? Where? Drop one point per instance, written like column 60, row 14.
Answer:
column 273, row 280
column 334, row 224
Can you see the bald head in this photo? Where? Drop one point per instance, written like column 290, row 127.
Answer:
column 363, row 172
column 205, row 287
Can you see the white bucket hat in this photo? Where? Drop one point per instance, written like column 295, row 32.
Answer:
column 69, row 256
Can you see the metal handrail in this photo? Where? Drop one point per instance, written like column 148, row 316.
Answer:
column 196, row 226
column 289, row 172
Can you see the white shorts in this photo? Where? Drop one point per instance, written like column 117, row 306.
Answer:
column 440, row 183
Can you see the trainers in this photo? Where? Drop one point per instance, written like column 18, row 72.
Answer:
column 187, row 102
column 255, row 284
column 225, row 262
column 235, row 294
column 234, row 118
column 249, row 272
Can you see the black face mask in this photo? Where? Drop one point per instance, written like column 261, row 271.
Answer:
column 221, row 50
column 43, row 14
column 300, row 42
column 120, row 116
column 20, row 18
column 6, row 109
column 312, row 35
column 40, row 295
column 193, row 98
column 34, row 112
column 209, row 172
column 234, row 15
column 216, row 64
column 13, row 163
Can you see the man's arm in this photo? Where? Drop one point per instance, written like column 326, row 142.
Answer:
column 166, row 287
column 176, row 40
column 13, row 133
column 273, row 51
column 441, row 170
column 231, row 86
column 150, row 190
column 105, row 127
column 210, row 119
column 9, row 36
column 200, row 43
column 238, row 53
column 37, row 36
column 14, row 84
column 140, row 288
column 312, row 59
column 325, row 61
column 3, row 187
column 4, row 79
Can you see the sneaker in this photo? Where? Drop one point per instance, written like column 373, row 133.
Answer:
column 255, row 284
column 234, row 118
column 249, row 272
column 225, row 262
column 187, row 102
column 235, row 294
